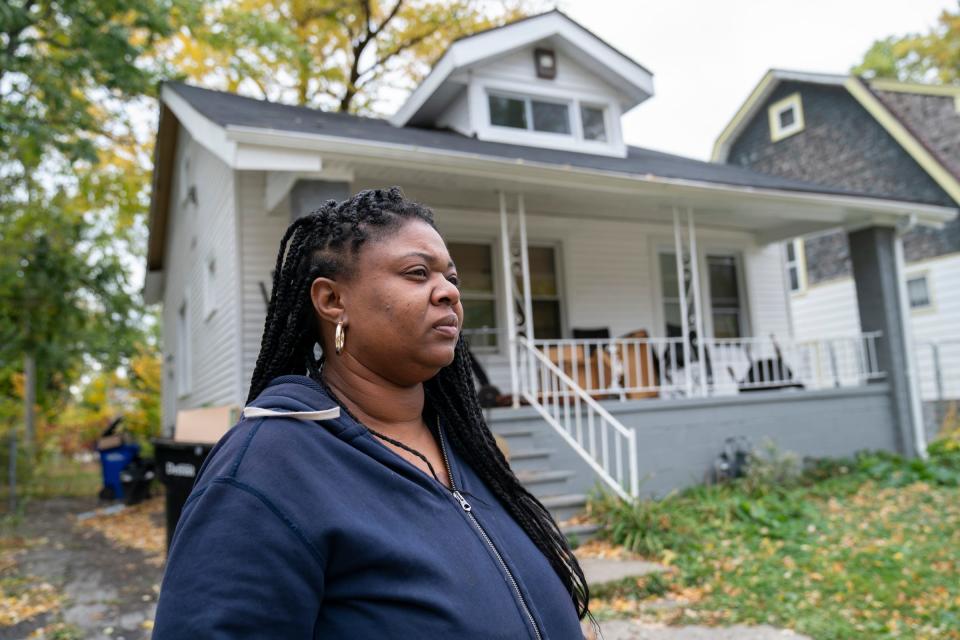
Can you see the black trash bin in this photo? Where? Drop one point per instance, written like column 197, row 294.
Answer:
column 177, row 465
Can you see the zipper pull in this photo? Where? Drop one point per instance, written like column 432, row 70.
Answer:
column 463, row 501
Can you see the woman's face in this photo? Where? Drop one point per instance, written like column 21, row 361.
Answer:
column 401, row 306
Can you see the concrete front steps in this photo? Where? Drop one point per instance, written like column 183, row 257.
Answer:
column 547, row 466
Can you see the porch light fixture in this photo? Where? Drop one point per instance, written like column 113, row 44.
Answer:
column 546, row 63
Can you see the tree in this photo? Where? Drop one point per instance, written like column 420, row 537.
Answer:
column 932, row 57
column 72, row 185
column 347, row 55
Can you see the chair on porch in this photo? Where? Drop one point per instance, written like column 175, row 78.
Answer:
column 640, row 365
column 590, row 366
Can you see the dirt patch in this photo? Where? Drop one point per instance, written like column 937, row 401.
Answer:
column 102, row 574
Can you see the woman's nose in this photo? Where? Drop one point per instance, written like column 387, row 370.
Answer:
column 446, row 293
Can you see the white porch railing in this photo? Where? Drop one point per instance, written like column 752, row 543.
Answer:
column 599, row 438
column 635, row 368
column 938, row 369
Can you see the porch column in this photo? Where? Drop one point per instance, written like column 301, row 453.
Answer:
column 507, row 269
column 881, row 298
column 307, row 195
column 697, row 311
column 682, row 291
column 530, row 372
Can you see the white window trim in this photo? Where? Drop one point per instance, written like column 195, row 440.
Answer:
column 209, row 287
column 498, row 313
column 479, row 91
column 931, row 301
column 799, row 263
column 704, row 249
column 500, row 300
column 186, row 172
column 777, row 132
column 606, row 119
column 560, row 297
column 528, row 100
column 183, row 358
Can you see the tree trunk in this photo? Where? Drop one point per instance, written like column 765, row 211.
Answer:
column 12, row 477
column 29, row 401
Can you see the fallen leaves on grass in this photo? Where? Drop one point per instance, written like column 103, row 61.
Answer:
column 603, row 549
column 22, row 596
column 134, row 527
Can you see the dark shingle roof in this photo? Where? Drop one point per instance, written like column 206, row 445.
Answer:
column 932, row 119
column 230, row 109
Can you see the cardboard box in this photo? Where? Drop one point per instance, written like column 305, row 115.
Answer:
column 110, row 442
column 206, row 425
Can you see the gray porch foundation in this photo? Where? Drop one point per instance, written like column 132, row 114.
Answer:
column 877, row 279
column 679, row 440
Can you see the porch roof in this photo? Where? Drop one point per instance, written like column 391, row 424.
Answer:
column 297, row 142
column 230, row 110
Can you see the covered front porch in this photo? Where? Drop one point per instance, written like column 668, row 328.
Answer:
column 588, row 294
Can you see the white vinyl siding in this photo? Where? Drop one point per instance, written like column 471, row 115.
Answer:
column 260, row 236
column 196, row 232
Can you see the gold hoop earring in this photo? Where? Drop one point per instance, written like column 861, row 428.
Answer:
column 339, row 338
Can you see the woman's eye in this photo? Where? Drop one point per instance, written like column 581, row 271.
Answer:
column 454, row 280
column 419, row 272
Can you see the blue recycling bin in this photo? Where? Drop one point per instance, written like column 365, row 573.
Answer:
column 113, row 462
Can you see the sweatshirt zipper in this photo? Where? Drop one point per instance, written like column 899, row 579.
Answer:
column 467, row 509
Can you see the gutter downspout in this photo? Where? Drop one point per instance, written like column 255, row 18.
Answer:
column 916, row 409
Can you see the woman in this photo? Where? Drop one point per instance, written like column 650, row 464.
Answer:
column 366, row 498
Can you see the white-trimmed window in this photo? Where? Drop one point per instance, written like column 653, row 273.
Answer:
column 183, row 357
column 786, row 117
column 477, row 292
column 918, row 291
column 726, row 306
column 796, row 266
column 533, row 114
column 544, row 292
column 723, row 295
column 209, row 287
column 185, row 177
column 593, row 122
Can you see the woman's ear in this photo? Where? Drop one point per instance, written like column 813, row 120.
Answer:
column 326, row 295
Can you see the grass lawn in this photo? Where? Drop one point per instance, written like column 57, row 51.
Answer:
column 864, row 548
column 58, row 476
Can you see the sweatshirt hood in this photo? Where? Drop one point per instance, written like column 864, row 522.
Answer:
column 302, row 398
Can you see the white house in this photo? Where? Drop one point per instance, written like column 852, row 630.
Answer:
column 514, row 140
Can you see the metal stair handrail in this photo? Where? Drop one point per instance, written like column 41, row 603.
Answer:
column 576, row 417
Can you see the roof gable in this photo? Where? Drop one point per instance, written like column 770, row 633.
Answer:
column 569, row 37
column 902, row 109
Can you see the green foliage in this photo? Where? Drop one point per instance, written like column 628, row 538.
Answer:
column 73, row 190
column 64, row 66
column 339, row 55
column 932, row 57
column 863, row 547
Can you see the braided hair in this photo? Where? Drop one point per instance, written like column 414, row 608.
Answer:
column 325, row 244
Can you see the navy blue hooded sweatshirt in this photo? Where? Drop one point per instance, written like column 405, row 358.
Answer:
column 301, row 528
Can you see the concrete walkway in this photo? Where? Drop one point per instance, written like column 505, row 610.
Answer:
column 601, row 570
column 630, row 630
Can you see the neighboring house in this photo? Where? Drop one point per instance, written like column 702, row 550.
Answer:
column 887, row 138
column 514, row 139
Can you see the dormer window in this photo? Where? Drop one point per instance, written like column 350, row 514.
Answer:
column 552, row 117
column 527, row 113
column 508, row 112
column 786, row 117
column 593, row 121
